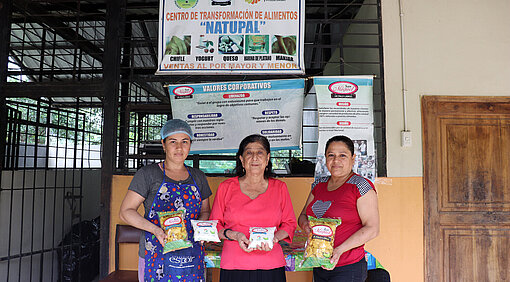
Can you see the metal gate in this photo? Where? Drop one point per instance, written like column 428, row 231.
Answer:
column 46, row 166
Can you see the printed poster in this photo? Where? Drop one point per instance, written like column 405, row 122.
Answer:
column 345, row 105
column 234, row 37
column 222, row 114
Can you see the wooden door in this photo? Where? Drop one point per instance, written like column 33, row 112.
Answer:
column 466, row 157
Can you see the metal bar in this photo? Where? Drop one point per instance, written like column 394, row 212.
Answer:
column 48, row 72
column 59, row 89
column 54, row 201
column 147, row 87
column 43, row 47
column 41, row 265
column 23, row 68
column 124, row 97
column 10, row 227
column 36, row 154
column 5, row 36
column 33, row 123
column 81, row 162
column 380, row 147
column 73, row 199
column 22, row 219
column 115, row 22
column 32, row 9
column 147, row 39
column 64, row 181
column 53, row 52
column 26, row 254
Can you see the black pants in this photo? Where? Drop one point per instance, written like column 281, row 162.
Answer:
column 356, row 272
column 259, row 275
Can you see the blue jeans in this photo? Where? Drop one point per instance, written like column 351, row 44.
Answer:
column 356, row 272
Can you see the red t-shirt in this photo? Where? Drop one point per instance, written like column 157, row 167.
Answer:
column 234, row 210
column 342, row 203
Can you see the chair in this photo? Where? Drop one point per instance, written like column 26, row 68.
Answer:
column 124, row 234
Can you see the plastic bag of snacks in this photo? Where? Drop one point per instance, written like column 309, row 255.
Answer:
column 205, row 230
column 319, row 246
column 175, row 229
column 259, row 235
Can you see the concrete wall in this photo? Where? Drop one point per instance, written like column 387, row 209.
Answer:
column 399, row 247
column 453, row 47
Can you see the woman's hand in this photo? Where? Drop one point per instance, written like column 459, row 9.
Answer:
column 304, row 223
column 369, row 214
column 275, row 239
column 128, row 213
column 264, row 247
column 243, row 241
column 337, row 252
column 278, row 236
column 160, row 234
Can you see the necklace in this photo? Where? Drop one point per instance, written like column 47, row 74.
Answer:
column 178, row 176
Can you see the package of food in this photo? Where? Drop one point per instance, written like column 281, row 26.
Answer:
column 175, row 229
column 259, row 235
column 319, row 246
column 205, row 230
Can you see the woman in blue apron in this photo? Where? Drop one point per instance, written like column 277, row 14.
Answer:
column 168, row 186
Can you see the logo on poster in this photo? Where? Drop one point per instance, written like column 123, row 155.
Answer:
column 183, row 91
column 185, row 4
column 343, row 89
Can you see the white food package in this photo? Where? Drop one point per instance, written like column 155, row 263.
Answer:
column 205, row 230
column 259, row 235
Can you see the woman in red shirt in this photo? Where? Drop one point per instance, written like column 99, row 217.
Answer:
column 352, row 198
column 253, row 199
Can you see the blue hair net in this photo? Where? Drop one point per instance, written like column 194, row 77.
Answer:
column 175, row 126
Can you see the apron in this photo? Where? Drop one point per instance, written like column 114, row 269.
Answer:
column 180, row 265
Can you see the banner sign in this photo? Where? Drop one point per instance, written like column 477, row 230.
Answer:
column 222, row 114
column 345, row 105
column 231, row 36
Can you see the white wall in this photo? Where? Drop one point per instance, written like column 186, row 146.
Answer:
column 452, row 47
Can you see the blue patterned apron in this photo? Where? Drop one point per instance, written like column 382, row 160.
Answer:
column 180, row 265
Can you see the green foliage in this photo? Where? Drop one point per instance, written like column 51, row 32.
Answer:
column 38, row 124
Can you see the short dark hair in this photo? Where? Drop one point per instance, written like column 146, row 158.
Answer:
column 239, row 170
column 340, row 138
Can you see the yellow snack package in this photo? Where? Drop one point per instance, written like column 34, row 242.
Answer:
column 175, row 229
column 319, row 246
